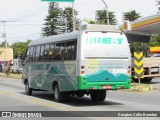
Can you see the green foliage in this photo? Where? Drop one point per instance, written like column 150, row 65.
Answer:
column 135, row 46
column 3, row 44
column 19, row 48
column 53, row 23
column 145, row 47
column 102, row 17
column 131, row 15
column 89, row 21
column 67, row 12
column 154, row 41
column 51, row 20
column 139, row 46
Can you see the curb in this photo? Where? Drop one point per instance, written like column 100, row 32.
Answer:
column 142, row 88
column 139, row 88
column 155, row 88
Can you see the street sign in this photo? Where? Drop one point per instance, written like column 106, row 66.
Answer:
column 58, row 0
column 138, row 65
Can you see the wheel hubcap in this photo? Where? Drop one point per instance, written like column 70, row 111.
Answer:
column 26, row 88
column 56, row 93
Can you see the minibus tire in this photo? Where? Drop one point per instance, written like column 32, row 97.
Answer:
column 98, row 95
column 28, row 90
column 58, row 96
column 80, row 93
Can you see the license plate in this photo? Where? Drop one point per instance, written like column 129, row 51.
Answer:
column 107, row 87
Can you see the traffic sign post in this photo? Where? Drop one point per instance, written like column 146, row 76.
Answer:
column 138, row 65
column 58, row 0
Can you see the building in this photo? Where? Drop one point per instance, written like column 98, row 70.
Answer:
column 6, row 55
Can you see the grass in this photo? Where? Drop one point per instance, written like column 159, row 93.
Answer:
column 139, row 87
column 12, row 75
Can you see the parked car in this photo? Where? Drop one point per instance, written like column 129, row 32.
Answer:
column 17, row 66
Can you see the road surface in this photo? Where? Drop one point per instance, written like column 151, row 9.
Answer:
column 13, row 98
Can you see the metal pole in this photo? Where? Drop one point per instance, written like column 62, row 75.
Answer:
column 74, row 20
column 4, row 34
column 65, row 25
column 107, row 14
column 139, row 80
column 71, row 17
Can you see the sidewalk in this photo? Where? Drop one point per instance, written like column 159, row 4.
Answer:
column 156, row 87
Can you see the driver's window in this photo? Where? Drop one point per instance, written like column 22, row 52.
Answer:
column 26, row 59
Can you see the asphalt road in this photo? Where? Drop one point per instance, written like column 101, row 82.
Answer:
column 13, row 98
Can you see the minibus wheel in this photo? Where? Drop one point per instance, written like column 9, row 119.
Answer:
column 28, row 90
column 58, row 96
column 98, row 95
column 80, row 93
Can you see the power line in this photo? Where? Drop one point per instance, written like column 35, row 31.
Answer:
column 24, row 21
column 21, row 24
column 25, row 36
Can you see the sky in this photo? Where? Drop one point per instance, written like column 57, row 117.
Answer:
column 25, row 18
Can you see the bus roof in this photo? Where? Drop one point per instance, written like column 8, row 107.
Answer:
column 74, row 35
column 55, row 38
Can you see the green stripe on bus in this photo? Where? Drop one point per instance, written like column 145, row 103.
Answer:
column 99, row 40
column 95, row 39
column 106, row 40
column 90, row 40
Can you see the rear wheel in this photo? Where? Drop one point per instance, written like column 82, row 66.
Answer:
column 28, row 90
column 58, row 96
column 80, row 93
column 98, row 95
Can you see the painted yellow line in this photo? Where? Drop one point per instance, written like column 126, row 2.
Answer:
column 39, row 101
column 6, row 93
column 52, row 104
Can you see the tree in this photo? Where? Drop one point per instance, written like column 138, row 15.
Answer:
column 51, row 20
column 55, row 20
column 67, row 12
column 19, row 48
column 89, row 21
column 131, row 15
column 101, row 17
column 3, row 44
column 134, row 46
column 154, row 41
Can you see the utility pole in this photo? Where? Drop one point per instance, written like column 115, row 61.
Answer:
column 73, row 18
column 65, row 20
column 158, row 5
column 107, row 14
column 4, row 34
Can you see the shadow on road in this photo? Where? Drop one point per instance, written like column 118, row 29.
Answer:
column 153, row 83
column 73, row 101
